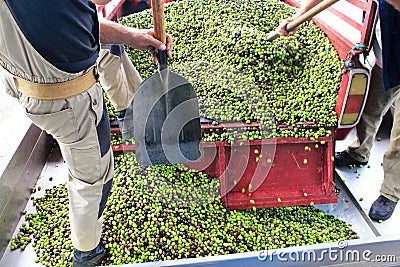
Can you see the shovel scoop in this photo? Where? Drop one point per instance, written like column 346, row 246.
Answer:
column 165, row 110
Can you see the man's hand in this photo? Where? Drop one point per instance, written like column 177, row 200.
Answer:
column 281, row 29
column 305, row 6
column 144, row 39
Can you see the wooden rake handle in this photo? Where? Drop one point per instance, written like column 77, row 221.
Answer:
column 304, row 17
column 158, row 18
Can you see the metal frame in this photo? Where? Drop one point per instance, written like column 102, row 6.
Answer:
column 19, row 177
column 353, row 253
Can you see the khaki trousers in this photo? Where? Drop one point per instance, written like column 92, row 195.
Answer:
column 391, row 160
column 118, row 77
column 378, row 103
column 72, row 122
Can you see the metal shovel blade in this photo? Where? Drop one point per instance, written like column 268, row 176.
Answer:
column 166, row 120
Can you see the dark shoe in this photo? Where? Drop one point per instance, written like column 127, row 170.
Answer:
column 382, row 209
column 125, row 121
column 343, row 159
column 89, row 258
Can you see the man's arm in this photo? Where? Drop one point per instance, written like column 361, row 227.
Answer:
column 307, row 5
column 143, row 39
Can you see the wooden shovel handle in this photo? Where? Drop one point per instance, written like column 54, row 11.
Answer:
column 304, row 17
column 158, row 18
column 309, row 14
